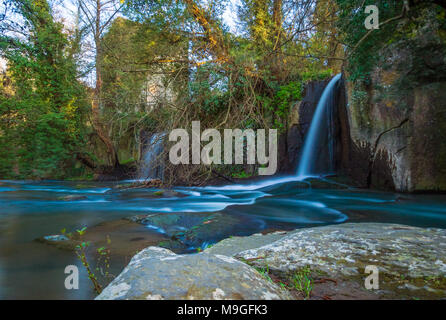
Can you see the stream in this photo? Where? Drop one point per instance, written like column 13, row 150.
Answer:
column 29, row 210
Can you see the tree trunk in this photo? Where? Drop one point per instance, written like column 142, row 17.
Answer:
column 96, row 104
column 277, row 62
column 213, row 33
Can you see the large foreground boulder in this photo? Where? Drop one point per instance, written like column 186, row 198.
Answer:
column 411, row 261
column 318, row 263
column 157, row 273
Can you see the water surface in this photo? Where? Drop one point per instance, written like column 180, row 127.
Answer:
column 29, row 210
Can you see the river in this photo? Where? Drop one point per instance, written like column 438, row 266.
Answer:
column 29, row 210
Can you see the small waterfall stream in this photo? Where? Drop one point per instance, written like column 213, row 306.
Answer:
column 316, row 141
column 317, row 155
column 152, row 164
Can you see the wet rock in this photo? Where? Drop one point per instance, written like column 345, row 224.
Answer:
column 57, row 237
column 234, row 245
column 153, row 183
column 397, row 116
column 323, row 183
column 299, row 120
column 72, row 198
column 403, row 255
column 287, row 188
column 157, row 273
column 189, row 230
column 59, row 241
column 122, row 237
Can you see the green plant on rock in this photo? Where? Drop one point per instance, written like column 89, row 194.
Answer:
column 279, row 105
column 264, row 272
column 302, row 282
column 241, row 175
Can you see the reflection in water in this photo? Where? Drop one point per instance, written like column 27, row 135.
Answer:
column 30, row 210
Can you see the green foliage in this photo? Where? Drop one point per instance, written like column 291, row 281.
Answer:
column 193, row 65
column 317, row 75
column 241, row 175
column 142, row 71
column 264, row 272
column 302, row 282
column 103, row 253
column 397, row 27
column 209, row 90
column 351, row 22
column 279, row 104
column 81, row 252
column 42, row 121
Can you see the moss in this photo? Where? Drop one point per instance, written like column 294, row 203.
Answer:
column 128, row 161
column 360, row 105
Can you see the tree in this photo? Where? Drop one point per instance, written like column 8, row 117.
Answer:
column 397, row 20
column 42, row 116
column 98, row 15
column 144, row 73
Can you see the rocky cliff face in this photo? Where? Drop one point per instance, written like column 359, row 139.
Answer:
column 397, row 117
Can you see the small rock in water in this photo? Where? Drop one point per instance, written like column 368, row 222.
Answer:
column 189, row 230
column 57, row 237
column 72, row 198
column 59, row 241
column 154, row 183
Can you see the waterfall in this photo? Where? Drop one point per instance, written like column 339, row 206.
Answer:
column 320, row 137
column 152, row 164
column 318, row 151
column 317, row 155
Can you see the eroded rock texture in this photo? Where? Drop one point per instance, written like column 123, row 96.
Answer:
column 406, row 257
column 157, row 273
column 397, row 116
column 411, row 263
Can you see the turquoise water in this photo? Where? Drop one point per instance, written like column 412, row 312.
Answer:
column 29, row 210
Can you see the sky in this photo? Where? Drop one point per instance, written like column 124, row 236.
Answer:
column 65, row 10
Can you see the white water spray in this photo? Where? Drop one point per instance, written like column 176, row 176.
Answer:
column 152, row 164
column 310, row 151
column 311, row 147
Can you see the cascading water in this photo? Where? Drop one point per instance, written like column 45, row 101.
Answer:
column 318, row 145
column 152, row 164
column 316, row 141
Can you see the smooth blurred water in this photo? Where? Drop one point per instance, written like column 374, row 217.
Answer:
column 29, row 210
column 152, row 164
column 321, row 125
